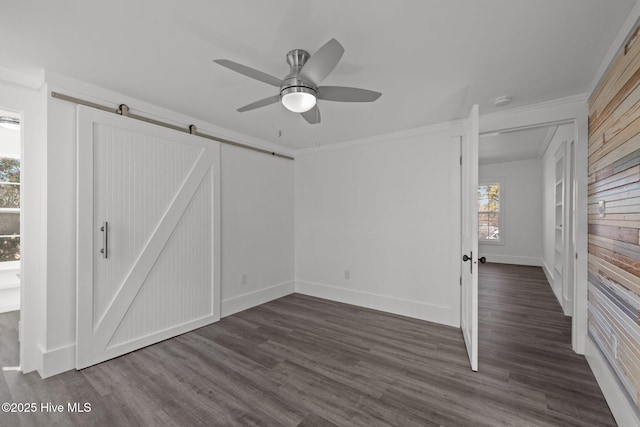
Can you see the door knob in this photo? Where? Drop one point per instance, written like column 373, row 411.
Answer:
column 469, row 258
column 483, row 260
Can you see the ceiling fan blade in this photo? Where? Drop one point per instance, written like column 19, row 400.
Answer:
column 312, row 116
column 321, row 63
column 261, row 103
column 249, row 72
column 347, row 94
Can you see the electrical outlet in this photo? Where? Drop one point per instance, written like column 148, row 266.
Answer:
column 602, row 209
column 347, row 274
column 245, row 279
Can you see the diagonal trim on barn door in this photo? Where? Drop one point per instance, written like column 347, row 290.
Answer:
column 117, row 309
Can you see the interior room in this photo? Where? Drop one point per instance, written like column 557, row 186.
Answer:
column 320, row 213
column 10, row 210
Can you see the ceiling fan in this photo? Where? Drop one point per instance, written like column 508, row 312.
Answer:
column 299, row 90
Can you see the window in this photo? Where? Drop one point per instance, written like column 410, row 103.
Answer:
column 489, row 219
column 9, row 209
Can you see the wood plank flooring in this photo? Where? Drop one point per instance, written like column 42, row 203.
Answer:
column 303, row 361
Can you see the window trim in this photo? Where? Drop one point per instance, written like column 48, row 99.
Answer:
column 500, row 181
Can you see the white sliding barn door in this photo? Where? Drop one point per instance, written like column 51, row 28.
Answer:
column 469, row 256
column 148, row 235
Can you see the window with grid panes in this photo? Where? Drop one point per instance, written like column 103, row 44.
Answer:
column 9, row 209
column 489, row 220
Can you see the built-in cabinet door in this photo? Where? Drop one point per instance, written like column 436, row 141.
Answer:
column 469, row 256
column 148, row 234
column 563, row 273
column 559, row 208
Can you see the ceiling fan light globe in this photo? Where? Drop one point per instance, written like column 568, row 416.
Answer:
column 298, row 101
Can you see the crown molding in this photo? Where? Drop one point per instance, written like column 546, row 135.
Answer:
column 547, row 113
column 509, row 159
column 558, row 102
column 453, row 128
column 618, row 43
column 33, row 80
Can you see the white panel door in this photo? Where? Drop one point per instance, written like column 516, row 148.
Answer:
column 148, row 235
column 469, row 256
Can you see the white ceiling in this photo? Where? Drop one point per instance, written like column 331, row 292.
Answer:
column 511, row 146
column 431, row 59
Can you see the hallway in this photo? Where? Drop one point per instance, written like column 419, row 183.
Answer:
column 524, row 331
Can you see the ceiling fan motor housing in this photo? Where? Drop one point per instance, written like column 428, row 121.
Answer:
column 292, row 83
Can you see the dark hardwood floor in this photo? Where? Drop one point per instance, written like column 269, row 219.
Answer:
column 310, row 362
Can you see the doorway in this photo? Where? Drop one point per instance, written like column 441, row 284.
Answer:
column 10, row 223
column 534, row 167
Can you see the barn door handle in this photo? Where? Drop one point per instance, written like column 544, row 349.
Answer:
column 105, row 239
column 482, row 259
column 466, row 258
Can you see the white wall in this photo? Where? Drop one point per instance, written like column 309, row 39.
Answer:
column 256, row 218
column 565, row 133
column 521, row 210
column 389, row 213
column 257, row 228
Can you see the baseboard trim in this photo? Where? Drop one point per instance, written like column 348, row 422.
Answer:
column 512, row 259
column 558, row 296
column 567, row 307
column 58, row 360
column 5, row 308
column 417, row 310
column 243, row 302
column 547, row 273
column 10, row 297
column 63, row 358
column 623, row 410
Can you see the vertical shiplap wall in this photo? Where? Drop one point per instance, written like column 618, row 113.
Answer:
column 614, row 216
